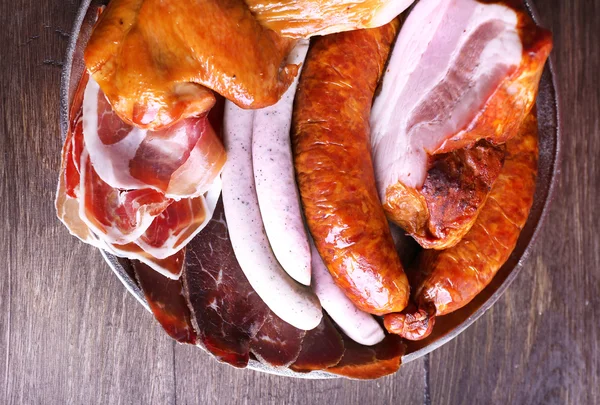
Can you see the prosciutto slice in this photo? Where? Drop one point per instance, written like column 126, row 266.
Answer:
column 141, row 224
column 460, row 71
column 181, row 161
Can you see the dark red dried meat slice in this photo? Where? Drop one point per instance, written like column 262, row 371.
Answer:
column 166, row 300
column 277, row 343
column 227, row 312
column 364, row 362
column 322, row 347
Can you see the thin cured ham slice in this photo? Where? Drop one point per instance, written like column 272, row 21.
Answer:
column 120, row 216
column 170, row 267
column 166, row 300
column 322, row 347
column 366, row 363
column 180, row 161
column 460, row 71
column 227, row 312
column 141, row 224
column 277, row 342
column 177, row 225
column 306, row 18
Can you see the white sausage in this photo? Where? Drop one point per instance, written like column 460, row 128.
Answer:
column 358, row 325
column 292, row 302
column 276, row 188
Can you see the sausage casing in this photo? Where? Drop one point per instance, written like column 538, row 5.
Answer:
column 449, row 279
column 331, row 140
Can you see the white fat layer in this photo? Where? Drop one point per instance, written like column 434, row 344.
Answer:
column 276, row 188
column 430, row 41
column 144, row 258
column 111, row 162
column 290, row 301
column 387, row 11
column 358, row 325
column 172, row 245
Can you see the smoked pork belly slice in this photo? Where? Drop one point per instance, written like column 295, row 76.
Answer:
column 306, row 18
column 460, row 71
column 157, row 59
column 166, row 300
column 180, row 161
column 227, row 312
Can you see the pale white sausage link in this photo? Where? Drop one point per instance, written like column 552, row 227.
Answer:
column 358, row 325
column 276, row 188
column 292, row 302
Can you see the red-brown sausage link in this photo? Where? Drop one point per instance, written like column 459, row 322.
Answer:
column 449, row 279
column 331, row 138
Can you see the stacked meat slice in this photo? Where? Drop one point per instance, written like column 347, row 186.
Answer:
column 137, row 193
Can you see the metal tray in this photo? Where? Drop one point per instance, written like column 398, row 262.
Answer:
column 447, row 327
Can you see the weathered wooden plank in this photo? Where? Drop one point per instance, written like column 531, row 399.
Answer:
column 201, row 380
column 540, row 343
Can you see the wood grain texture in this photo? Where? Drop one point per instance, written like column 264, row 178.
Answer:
column 70, row 333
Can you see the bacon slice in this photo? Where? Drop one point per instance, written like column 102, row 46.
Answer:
column 460, row 71
column 180, row 161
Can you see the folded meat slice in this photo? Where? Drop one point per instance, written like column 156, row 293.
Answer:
column 370, row 362
column 119, row 216
column 166, row 300
column 306, row 18
column 170, row 267
column 156, row 59
column 180, row 161
column 227, row 312
column 461, row 71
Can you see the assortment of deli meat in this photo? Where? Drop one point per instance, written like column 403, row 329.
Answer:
column 267, row 165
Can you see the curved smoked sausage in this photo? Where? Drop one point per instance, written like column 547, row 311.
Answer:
column 332, row 156
column 449, row 279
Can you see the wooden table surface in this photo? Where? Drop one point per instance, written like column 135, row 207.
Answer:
column 71, row 334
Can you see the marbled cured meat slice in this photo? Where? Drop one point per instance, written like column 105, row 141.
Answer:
column 322, row 347
column 166, row 300
column 227, row 312
column 363, row 362
column 180, row 161
column 277, row 342
column 118, row 216
column 177, row 225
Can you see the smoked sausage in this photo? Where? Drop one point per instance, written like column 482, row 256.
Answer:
column 332, row 155
column 449, row 279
